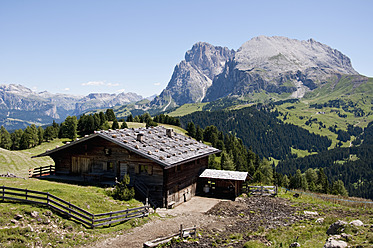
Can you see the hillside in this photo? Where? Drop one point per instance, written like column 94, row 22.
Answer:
column 18, row 162
column 260, row 129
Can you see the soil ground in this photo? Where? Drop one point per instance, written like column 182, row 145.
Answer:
column 212, row 216
column 189, row 214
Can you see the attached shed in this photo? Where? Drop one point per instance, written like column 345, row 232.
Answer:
column 222, row 182
column 162, row 165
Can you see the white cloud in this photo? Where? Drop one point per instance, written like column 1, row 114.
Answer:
column 66, row 89
column 94, row 83
column 100, row 83
column 157, row 84
column 120, row 91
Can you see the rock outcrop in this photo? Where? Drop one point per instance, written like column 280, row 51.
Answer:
column 194, row 75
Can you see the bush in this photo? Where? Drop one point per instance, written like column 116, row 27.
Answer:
column 122, row 192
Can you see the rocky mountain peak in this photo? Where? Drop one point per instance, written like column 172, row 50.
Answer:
column 279, row 65
column 281, row 54
column 193, row 76
column 208, row 58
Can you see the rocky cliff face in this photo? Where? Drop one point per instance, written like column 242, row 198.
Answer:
column 194, row 75
column 20, row 106
column 278, row 64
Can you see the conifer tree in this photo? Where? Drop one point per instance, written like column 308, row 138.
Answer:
column 338, row 188
column 115, row 125
column 191, row 129
column 103, row 118
column 129, row 118
column 227, row 162
column 5, row 138
column 16, row 139
column 285, row 181
column 124, row 125
column 40, row 135
column 110, row 116
column 199, row 133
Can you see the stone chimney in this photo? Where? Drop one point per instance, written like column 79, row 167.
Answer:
column 169, row 132
column 140, row 136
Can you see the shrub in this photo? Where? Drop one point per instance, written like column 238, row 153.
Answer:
column 121, row 191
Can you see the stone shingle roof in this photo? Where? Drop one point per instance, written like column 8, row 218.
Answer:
column 152, row 143
column 224, row 174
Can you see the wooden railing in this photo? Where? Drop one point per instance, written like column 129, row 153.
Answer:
column 141, row 187
column 42, row 171
column 72, row 211
column 262, row 190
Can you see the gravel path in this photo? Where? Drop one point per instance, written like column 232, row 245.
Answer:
column 188, row 214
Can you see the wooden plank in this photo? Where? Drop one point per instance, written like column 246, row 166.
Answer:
column 71, row 210
column 72, row 216
column 120, row 211
column 116, row 221
column 120, row 216
column 68, row 203
column 30, row 191
column 23, row 200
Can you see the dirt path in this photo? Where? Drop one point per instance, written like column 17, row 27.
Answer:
column 189, row 214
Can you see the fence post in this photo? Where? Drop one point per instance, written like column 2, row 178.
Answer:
column 261, row 189
column 3, row 193
column 48, row 198
column 26, row 194
column 110, row 218
column 92, row 224
column 181, row 231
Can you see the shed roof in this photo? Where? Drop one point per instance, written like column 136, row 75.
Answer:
column 224, row 174
column 155, row 144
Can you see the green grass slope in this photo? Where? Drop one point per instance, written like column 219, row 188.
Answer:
column 19, row 162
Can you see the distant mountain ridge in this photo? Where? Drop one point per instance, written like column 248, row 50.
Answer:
column 273, row 64
column 20, row 106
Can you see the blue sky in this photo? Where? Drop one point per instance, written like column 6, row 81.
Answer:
column 84, row 46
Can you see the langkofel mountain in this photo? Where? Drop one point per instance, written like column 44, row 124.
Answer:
column 270, row 64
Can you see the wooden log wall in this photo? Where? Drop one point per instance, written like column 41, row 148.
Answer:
column 181, row 181
column 98, row 155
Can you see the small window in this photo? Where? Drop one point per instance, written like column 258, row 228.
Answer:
column 150, row 170
column 137, row 169
column 144, row 168
column 110, row 166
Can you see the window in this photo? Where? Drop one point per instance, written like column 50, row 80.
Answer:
column 150, row 170
column 110, row 166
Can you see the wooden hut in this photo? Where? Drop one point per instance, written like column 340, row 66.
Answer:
column 162, row 165
column 222, row 182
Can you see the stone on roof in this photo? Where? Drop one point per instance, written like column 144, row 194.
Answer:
column 164, row 147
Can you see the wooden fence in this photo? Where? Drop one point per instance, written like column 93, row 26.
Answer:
column 72, row 211
column 42, row 171
column 262, row 190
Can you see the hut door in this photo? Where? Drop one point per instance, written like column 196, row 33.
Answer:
column 80, row 165
column 123, row 169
